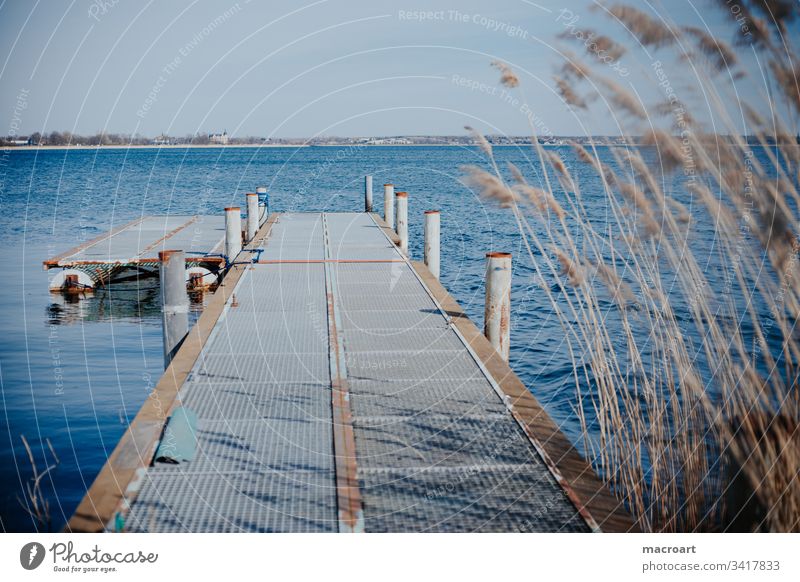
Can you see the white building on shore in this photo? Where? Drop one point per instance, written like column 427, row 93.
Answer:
column 219, row 138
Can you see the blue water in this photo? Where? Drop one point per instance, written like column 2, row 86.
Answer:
column 77, row 373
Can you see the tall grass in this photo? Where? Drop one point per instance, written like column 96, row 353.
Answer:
column 687, row 386
column 35, row 502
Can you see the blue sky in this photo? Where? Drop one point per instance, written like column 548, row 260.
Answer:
column 303, row 68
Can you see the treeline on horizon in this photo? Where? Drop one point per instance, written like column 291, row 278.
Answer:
column 67, row 138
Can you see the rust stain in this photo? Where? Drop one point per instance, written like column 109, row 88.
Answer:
column 344, row 444
column 122, row 262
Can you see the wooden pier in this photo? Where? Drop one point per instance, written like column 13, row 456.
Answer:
column 339, row 388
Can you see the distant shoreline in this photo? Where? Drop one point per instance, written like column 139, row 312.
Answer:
column 149, row 147
column 316, row 145
column 242, row 146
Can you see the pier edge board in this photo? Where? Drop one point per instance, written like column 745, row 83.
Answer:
column 388, row 230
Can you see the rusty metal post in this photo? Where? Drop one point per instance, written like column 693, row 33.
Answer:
column 233, row 233
column 388, row 205
column 402, row 220
column 72, row 281
column 174, row 301
column 252, row 216
column 497, row 312
column 367, row 193
column 432, row 239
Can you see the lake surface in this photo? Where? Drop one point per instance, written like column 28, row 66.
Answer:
column 77, row 372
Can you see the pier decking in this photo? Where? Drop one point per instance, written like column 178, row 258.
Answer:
column 339, row 387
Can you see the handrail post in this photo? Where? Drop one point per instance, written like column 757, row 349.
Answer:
column 263, row 202
column 252, row 216
column 233, row 233
column 367, row 193
column 432, row 241
column 174, row 301
column 388, row 205
column 402, row 220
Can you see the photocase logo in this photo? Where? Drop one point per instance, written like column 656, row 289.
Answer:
column 31, row 555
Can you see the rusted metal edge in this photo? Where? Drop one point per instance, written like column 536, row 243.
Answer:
column 53, row 261
column 118, row 482
column 137, row 261
column 348, row 493
column 592, row 499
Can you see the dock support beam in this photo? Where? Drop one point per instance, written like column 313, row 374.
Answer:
column 432, row 240
column 252, row 216
column 233, row 233
column 402, row 220
column 497, row 312
column 388, row 205
column 367, row 193
column 174, row 301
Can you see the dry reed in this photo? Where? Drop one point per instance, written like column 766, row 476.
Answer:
column 36, row 503
column 690, row 383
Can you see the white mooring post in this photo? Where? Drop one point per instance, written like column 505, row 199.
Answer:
column 402, row 220
column 233, row 233
column 367, row 193
column 432, row 237
column 497, row 313
column 174, row 301
column 388, row 205
column 261, row 191
column 252, row 216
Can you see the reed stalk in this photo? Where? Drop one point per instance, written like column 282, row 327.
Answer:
column 687, row 386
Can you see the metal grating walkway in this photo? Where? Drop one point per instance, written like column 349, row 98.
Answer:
column 139, row 241
column 335, row 395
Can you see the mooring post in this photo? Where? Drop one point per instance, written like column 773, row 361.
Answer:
column 233, row 233
column 497, row 312
column 402, row 220
column 263, row 202
column 388, row 205
column 367, row 193
column 252, row 216
column 432, row 230
column 174, row 301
